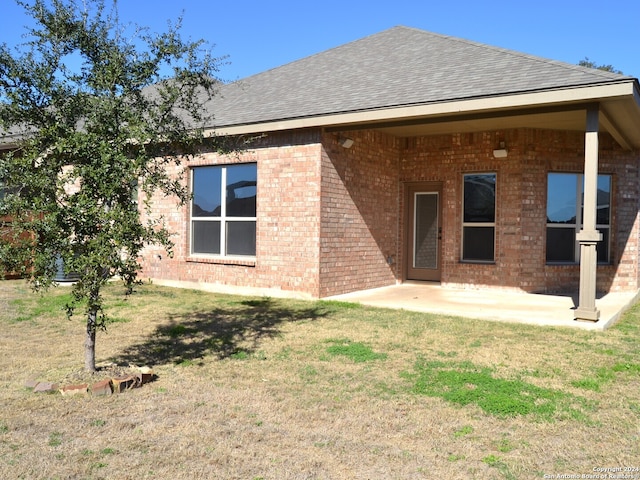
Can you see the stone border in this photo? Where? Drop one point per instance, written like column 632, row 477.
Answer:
column 104, row 387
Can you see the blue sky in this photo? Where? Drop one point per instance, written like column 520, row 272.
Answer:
column 259, row 35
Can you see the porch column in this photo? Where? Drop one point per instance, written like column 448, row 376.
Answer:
column 589, row 236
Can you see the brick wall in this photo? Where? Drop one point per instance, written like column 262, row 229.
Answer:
column 331, row 220
column 288, row 225
column 521, row 205
column 359, row 213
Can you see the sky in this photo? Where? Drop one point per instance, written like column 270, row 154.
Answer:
column 260, row 35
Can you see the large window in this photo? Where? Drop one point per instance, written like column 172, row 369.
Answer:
column 565, row 198
column 223, row 210
column 479, row 217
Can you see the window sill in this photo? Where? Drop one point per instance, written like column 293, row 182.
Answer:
column 479, row 262
column 238, row 261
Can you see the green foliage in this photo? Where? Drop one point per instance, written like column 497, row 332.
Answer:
column 466, row 384
column 590, row 64
column 356, row 351
column 102, row 113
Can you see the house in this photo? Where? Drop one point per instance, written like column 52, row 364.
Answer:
column 409, row 155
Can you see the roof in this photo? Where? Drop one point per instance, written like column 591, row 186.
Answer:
column 407, row 82
column 397, row 68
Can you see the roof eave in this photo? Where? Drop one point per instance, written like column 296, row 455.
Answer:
column 626, row 90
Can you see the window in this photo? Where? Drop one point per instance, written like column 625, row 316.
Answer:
column 223, row 210
column 479, row 217
column 564, row 218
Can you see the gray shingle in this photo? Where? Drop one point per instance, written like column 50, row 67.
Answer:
column 397, row 67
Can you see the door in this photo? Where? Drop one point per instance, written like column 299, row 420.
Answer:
column 424, row 232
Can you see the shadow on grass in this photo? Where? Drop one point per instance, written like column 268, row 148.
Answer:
column 233, row 330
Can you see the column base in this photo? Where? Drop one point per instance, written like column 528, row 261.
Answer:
column 586, row 314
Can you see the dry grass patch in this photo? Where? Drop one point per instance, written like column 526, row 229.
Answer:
column 254, row 388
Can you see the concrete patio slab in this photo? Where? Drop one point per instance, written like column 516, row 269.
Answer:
column 537, row 309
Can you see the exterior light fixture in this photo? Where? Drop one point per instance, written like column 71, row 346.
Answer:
column 345, row 142
column 500, row 152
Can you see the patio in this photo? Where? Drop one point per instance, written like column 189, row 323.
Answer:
column 537, row 309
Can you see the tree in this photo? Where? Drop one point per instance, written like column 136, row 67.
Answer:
column 101, row 109
column 590, row 64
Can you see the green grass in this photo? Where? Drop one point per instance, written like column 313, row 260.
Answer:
column 336, row 305
column 33, row 307
column 55, row 304
column 505, row 445
column 605, row 375
column 355, row 351
column 476, row 399
column 55, row 439
column 466, row 430
column 175, row 331
column 633, row 368
column 464, row 383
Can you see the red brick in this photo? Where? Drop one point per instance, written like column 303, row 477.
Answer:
column 145, row 375
column 329, row 217
column 46, row 387
column 126, row 382
column 104, row 387
column 69, row 390
column 31, row 383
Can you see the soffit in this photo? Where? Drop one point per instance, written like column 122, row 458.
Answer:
column 617, row 118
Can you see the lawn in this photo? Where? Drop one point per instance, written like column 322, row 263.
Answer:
column 263, row 388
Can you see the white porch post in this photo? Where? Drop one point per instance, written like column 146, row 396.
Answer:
column 589, row 236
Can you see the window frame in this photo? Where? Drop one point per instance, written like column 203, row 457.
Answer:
column 223, row 219
column 578, row 225
column 471, row 225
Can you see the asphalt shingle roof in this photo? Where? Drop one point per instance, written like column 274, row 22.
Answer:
column 397, row 67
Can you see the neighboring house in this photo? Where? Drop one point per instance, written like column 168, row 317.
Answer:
column 5, row 225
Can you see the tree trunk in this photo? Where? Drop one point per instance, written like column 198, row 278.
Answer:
column 90, row 342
